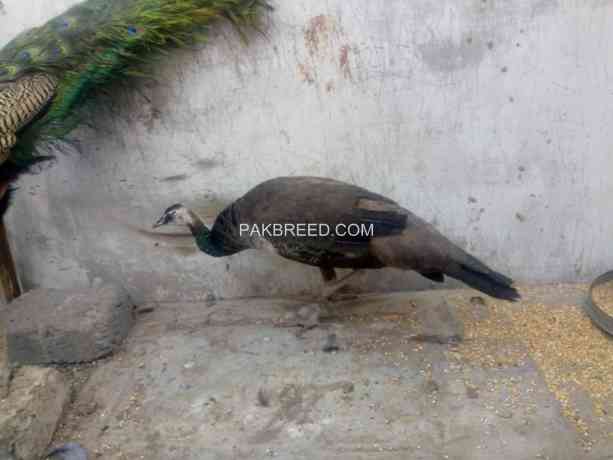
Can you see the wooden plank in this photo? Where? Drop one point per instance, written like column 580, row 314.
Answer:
column 9, row 283
column 9, row 287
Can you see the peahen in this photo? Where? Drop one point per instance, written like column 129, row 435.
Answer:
column 50, row 75
column 351, row 228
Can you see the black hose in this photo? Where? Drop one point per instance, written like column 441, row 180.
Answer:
column 598, row 316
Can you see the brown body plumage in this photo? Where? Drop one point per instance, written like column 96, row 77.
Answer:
column 399, row 238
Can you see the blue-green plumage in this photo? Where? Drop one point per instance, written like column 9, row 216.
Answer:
column 206, row 242
column 90, row 46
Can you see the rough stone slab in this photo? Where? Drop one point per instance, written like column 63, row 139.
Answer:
column 56, row 326
column 29, row 416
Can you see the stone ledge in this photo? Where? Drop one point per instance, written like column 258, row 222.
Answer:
column 67, row 326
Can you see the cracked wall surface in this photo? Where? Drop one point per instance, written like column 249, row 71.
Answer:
column 488, row 118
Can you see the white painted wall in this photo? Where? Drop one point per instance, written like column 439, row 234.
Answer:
column 491, row 118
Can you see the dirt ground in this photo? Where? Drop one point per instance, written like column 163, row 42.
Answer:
column 430, row 375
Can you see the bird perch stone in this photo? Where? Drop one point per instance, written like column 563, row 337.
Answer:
column 67, row 326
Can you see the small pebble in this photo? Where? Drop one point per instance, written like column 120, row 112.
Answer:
column 263, row 398
column 331, row 344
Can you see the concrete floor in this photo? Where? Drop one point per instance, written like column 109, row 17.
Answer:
column 228, row 380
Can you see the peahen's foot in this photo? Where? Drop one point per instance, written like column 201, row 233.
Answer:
column 333, row 289
column 306, row 318
column 309, row 315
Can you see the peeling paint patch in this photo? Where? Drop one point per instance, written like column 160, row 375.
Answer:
column 306, row 74
column 329, row 55
column 344, row 61
column 316, row 32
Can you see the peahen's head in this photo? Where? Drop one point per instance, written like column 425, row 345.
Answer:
column 176, row 214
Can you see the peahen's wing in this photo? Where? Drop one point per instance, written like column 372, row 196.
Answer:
column 349, row 217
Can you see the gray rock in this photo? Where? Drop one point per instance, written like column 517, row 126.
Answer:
column 331, row 344
column 29, row 416
column 5, row 454
column 69, row 451
column 56, row 326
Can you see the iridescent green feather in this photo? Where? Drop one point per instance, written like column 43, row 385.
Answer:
column 101, row 41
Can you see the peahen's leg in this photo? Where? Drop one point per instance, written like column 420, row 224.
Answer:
column 308, row 316
column 334, row 285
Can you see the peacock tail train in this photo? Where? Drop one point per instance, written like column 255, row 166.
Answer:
column 49, row 75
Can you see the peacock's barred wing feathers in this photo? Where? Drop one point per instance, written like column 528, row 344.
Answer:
column 90, row 46
column 20, row 103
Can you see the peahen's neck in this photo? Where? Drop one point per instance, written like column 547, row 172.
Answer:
column 203, row 237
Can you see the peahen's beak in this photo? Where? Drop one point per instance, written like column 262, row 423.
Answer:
column 162, row 221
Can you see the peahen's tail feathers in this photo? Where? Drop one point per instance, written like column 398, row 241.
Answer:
column 484, row 279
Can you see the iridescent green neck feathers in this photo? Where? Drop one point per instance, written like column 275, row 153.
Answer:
column 203, row 236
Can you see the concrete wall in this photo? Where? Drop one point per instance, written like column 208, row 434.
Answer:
column 490, row 118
